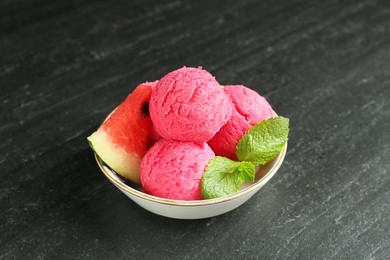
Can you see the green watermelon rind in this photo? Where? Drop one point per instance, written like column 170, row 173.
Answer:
column 124, row 163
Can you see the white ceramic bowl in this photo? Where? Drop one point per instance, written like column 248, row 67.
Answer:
column 195, row 209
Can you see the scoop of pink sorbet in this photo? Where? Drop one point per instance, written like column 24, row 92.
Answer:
column 249, row 109
column 173, row 169
column 189, row 105
column 151, row 83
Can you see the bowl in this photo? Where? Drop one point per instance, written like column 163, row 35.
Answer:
column 194, row 209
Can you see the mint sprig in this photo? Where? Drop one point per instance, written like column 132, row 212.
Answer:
column 224, row 176
column 264, row 141
column 261, row 144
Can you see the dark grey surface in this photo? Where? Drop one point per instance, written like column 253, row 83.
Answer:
column 64, row 65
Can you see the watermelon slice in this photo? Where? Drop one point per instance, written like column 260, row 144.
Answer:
column 122, row 139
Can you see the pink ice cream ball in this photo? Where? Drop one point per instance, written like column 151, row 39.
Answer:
column 249, row 109
column 152, row 84
column 173, row 169
column 189, row 105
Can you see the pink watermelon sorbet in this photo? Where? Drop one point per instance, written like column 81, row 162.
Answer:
column 249, row 109
column 173, row 169
column 152, row 83
column 188, row 104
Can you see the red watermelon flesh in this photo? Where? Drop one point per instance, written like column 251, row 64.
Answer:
column 121, row 141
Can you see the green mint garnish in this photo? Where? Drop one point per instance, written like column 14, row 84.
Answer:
column 224, row 176
column 264, row 141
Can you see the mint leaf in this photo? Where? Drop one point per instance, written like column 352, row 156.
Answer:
column 224, row 176
column 264, row 141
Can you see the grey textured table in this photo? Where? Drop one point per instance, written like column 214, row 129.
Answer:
column 64, row 65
